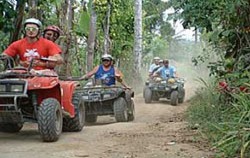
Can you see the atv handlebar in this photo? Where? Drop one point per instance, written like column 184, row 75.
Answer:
column 9, row 61
column 72, row 78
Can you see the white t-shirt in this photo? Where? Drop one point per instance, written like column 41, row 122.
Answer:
column 152, row 67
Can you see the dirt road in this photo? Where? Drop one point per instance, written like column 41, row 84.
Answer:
column 159, row 131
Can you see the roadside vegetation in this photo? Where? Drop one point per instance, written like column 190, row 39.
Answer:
column 223, row 119
column 221, row 109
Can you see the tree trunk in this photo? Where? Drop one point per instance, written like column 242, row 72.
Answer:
column 91, row 38
column 138, row 37
column 106, row 30
column 34, row 11
column 196, row 35
column 20, row 6
column 67, row 16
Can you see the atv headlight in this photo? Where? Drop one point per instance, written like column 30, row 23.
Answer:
column 2, row 88
column 157, row 79
column 85, row 97
column 17, row 88
column 163, row 82
column 105, row 96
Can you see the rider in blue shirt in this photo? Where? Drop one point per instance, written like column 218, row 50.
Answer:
column 166, row 71
column 106, row 72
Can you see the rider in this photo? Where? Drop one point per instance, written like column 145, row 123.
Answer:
column 107, row 72
column 160, row 65
column 32, row 46
column 166, row 71
column 153, row 66
column 52, row 33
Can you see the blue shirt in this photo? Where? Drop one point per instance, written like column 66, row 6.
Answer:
column 108, row 77
column 166, row 73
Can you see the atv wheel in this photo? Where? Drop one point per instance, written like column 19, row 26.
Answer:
column 50, row 120
column 131, row 112
column 92, row 118
column 144, row 88
column 11, row 127
column 174, row 98
column 76, row 123
column 148, row 95
column 120, row 110
column 182, row 96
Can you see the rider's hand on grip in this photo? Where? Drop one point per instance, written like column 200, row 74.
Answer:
column 24, row 63
column 3, row 56
column 84, row 77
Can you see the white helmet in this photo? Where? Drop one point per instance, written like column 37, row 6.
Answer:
column 33, row 21
column 157, row 58
column 107, row 56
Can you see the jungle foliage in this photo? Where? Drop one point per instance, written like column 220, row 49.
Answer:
column 73, row 17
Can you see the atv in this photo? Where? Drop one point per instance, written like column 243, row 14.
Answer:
column 100, row 100
column 171, row 89
column 39, row 96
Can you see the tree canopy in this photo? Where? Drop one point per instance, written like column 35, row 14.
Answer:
column 227, row 24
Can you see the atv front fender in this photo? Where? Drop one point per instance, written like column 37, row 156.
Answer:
column 42, row 82
column 68, row 88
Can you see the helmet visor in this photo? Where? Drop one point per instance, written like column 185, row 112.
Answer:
column 32, row 29
column 106, row 59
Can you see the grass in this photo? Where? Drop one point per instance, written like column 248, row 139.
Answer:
column 225, row 124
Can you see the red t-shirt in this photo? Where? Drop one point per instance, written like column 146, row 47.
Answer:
column 26, row 51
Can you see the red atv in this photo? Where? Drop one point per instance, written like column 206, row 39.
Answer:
column 28, row 95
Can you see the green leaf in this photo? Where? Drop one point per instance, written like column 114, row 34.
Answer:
column 226, row 33
column 243, row 149
column 84, row 21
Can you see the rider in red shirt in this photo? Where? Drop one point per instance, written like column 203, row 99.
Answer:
column 32, row 46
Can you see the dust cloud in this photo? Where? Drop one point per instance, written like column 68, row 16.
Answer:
column 180, row 55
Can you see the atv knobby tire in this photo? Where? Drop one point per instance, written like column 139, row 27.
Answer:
column 148, row 95
column 76, row 123
column 50, row 120
column 174, row 98
column 131, row 111
column 182, row 96
column 11, row 127
column 120, row 110
column 92, row 118
column 144, row 88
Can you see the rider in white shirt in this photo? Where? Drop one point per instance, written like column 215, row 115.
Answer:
column 154, row 65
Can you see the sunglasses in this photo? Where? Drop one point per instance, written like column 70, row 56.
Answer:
column 105, row 60
column 31, row 29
